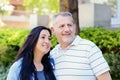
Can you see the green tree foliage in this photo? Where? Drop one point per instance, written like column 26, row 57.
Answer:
column 5, row 7
column 42, row 6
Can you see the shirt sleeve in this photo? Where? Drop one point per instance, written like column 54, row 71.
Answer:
column 97, row 61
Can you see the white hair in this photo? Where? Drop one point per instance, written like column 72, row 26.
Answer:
column 61, row 14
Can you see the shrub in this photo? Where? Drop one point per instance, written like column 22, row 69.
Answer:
column 10, row 41
column 4, row 72
column 107, row 40
column 114, row 63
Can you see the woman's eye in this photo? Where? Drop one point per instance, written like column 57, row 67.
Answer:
column 42, row 37
column 49, row 38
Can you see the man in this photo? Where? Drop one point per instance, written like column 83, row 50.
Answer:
column 76, row 58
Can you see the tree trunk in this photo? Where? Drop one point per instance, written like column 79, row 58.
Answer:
column 71, row 6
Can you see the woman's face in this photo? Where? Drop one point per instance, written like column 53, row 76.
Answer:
column 43, row 44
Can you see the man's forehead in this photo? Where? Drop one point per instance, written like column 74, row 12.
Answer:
column 63, row 18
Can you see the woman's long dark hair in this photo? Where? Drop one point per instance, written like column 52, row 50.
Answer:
column 26, row 52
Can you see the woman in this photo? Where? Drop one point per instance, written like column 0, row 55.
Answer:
column 32, row 61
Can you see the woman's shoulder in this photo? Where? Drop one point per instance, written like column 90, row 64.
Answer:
column 16, row 65
column 14, row 70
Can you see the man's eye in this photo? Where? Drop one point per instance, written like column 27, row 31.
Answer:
column 61, row 26
column 69, row 25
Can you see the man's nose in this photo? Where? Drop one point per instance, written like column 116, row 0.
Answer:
column 67, row 28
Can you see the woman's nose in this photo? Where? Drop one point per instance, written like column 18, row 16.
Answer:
column 47, row 40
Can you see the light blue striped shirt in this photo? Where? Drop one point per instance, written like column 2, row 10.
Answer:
column 82, row 60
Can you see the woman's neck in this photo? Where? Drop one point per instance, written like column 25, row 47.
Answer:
column 39, row 66
column 38, row 61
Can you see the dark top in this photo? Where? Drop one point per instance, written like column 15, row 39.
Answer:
column 40, row 75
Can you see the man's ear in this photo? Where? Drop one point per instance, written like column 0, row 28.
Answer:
column 75, row 28
column 52, row 30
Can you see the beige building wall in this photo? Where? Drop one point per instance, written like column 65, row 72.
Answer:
column 94, row 15
column 36, row 20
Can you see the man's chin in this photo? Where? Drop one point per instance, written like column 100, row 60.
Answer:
column 67, row 40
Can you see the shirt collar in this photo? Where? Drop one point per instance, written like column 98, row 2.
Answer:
column 76, row 41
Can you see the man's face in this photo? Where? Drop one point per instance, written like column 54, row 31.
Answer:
column 64, row 29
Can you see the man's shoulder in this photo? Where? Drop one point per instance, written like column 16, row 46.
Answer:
column 85, row 41
column 54, row 50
